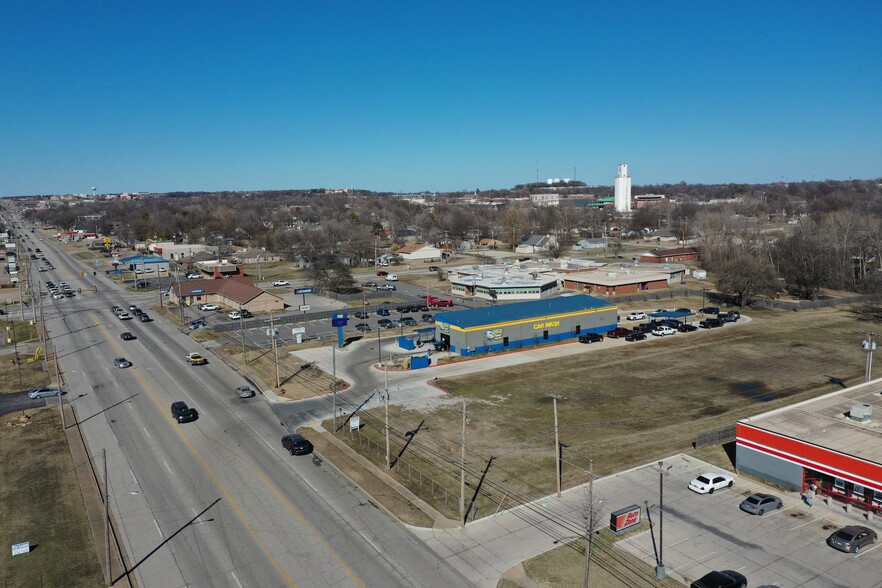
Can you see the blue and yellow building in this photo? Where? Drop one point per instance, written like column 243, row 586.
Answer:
column 524, row 324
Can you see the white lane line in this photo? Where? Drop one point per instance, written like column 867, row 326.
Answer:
column 146, row 432
column 157, row 528
column 134, row 479
column 803, row 525
column 130, row 406
column 365, row 537
column 697, row 561
column 232, row 573
column 168, row 468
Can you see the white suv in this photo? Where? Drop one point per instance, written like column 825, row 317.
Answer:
column 391, row 278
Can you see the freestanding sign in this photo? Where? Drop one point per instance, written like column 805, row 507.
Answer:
column 21, row 548
column 355, row 423
column 624, row 518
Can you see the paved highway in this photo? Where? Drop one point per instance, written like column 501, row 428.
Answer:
column 216, row 502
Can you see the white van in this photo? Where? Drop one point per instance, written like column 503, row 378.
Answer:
column 391, row 278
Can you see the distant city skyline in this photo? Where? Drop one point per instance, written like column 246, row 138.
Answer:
column 395, row 97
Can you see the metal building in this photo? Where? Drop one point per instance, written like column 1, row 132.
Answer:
column 523, row 324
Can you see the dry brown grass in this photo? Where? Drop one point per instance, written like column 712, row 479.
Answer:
column 626, row 405
column 40, row 502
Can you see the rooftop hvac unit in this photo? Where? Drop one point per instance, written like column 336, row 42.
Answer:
column 861, row 412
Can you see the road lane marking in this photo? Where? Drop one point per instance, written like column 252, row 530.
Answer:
column 169, row 469
column 146, row 432
column 232, row 573
column 210, row 472
column 157, row 528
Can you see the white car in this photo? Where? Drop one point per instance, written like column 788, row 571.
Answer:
column 193, row 276
column 391, row 278
column 209, row 307
column 637, row 315
column 234, row 315
column 707, row 482
column 281, row 283
column 663, row 330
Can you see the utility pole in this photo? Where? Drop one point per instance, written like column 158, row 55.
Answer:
column 275, row 351
column 242, row 330
column 386, row 403
column 556, row 443
column 106, row 517
column 589, row 536
column 180, row 294
column 462, row 517
column 58, row 379
column 334, row 384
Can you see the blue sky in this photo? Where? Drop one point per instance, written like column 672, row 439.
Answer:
column 198, row 95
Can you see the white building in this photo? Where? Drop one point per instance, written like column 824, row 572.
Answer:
column 623, row 189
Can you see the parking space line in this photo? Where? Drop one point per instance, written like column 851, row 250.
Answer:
column 803, row 525
column 698, row 561
column 864, row 551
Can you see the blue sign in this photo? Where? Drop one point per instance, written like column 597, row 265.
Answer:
column 303, row 290
column 341, row 315
column 195, row 292
column 338, row 322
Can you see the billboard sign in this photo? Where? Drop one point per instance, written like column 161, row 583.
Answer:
column 624, row 519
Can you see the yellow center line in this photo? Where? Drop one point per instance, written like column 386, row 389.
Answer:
column 150, row 392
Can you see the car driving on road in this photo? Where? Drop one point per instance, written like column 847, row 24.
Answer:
column 245, row 392
column 281, row 283
column 296, row 444
column 122, row 362
column 127, row 336
column 196, row 359
column 183, row 413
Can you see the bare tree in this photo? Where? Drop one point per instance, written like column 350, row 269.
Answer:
column 746, row 277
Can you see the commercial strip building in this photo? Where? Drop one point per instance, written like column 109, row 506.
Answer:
column 143, row 264
column 834, row 441
column 502, row 282
column 523, row 324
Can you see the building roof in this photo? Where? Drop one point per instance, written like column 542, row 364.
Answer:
column 238, row 289
column 136, row 259
column 414, row 247
column 519, row 311
column 670, row 252
column 617, row 278
column 537, row 241
column 824, row 421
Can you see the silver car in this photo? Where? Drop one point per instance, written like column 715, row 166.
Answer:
column 43, row 392
column 244, row 392
column 851, row 539
column 760, row 503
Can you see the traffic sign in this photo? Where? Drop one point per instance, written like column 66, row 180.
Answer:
column 304, row 307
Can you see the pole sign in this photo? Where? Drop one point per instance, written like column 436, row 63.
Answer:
column 355, row 423
column 624, row 518
column 303, row 290
column 304, row 307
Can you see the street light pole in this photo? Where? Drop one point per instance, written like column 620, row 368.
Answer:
column 660, row 568
column 869, row 346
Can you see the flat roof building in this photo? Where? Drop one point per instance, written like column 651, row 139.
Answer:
column 523, row 324
column 834, row 441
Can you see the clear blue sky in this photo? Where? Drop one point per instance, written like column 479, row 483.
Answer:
column 214, row 95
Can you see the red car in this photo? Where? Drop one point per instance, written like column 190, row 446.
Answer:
column 441, row 302
column 618, row 332
column 381, row 274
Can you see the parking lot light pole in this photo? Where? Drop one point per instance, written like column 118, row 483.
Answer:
column 660, row 568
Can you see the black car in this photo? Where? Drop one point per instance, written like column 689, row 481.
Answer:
column 296, row 444
column 590, row 338
column 710, row 323
column 673, row 323
column 363, row 327
column 144, row 317
column 361, row 314
column 383, row 311
column 245, row 313
column 183, row 413
column 433, row 268
column 687, row 328
column 723, row 579
column 127, row 336
column 714, row 310
column 635, row 336
column 644, row 328
column 197, row 324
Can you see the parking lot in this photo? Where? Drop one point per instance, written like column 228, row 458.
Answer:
column 783, row 548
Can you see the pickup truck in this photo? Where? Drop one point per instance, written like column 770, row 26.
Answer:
column 618, row 332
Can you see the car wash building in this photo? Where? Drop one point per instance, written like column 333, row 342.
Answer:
column 833, row 441
column 523, row 324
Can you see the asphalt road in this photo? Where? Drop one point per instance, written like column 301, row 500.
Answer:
column 216, row 502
